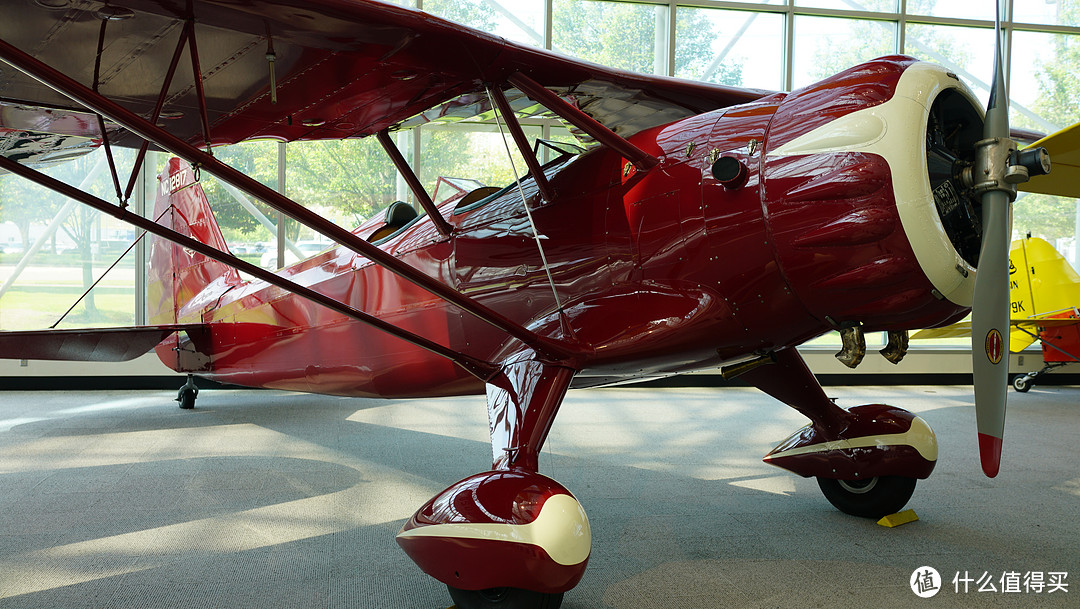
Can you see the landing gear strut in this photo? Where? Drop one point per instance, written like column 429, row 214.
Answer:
column 866, row 459
column 508, row 538
column 1024, row 382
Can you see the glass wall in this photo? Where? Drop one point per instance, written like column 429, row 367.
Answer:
column 52, row 251
column 827, row 45
column 738, row 48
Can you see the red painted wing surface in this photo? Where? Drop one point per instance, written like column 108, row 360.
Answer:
column 341, row 69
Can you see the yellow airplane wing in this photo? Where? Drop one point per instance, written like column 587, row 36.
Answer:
column 1042, row 281
column 960, row 329
column 1064, row 177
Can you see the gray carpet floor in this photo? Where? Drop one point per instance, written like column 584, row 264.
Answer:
column 266, row 499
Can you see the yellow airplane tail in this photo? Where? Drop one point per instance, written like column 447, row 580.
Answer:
column 1042, row 283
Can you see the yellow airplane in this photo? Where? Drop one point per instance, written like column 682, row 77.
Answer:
column 1044, row 294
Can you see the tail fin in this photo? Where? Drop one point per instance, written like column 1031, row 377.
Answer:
column 177, row 274
column 1042, row 282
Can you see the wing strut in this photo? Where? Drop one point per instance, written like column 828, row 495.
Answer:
column 545, row 348
column 157, row 110
column 523, row 146
column 522, row 142
column 415, row 186
column 641, row 159
column 196, row 69
column 101, row 119
column 479, row 368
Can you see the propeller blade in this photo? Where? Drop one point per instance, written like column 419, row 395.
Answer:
column 990, row 308
column 990, row 330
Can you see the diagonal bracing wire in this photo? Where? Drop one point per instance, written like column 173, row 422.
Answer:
column 521, row 192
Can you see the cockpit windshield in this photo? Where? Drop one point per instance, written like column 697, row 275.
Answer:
column 446, row 188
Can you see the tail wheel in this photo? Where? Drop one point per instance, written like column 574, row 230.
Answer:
column 187, row 394
column 504, row 598
column 186, row 397
column 1023, row 383
column 871, row 498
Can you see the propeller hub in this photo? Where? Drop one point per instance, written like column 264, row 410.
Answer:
column 1035, row 160
column 994, row 168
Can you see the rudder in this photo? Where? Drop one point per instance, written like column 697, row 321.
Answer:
column 1042, row 282
column 177, row 274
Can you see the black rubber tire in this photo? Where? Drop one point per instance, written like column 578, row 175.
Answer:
column 504, row 598
column 1023, row 383
column 187, row 398
column 872, row 498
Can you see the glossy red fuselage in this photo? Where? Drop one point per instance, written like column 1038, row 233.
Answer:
column 657, row 272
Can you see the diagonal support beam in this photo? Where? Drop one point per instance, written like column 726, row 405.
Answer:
column 415, row 186
column 101, row 120
column 545, row 348
column 522, row 142
column 478, row 368
column 157, row 110
column 196, row 74
column 641, row 159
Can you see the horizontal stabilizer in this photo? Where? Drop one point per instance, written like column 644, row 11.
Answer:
column 1046, row 322
column 87, row 345
column 1064, row 177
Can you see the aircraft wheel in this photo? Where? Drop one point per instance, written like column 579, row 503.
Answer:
column 504, row 598
column 873, row 498
column 187, row 397
column 1022, row 383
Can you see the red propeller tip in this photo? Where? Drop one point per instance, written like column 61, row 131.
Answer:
column 990, row 453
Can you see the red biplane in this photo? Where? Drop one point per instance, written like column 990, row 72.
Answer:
column 704, row 226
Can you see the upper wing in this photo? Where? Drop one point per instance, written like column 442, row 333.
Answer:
column 341, row 68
